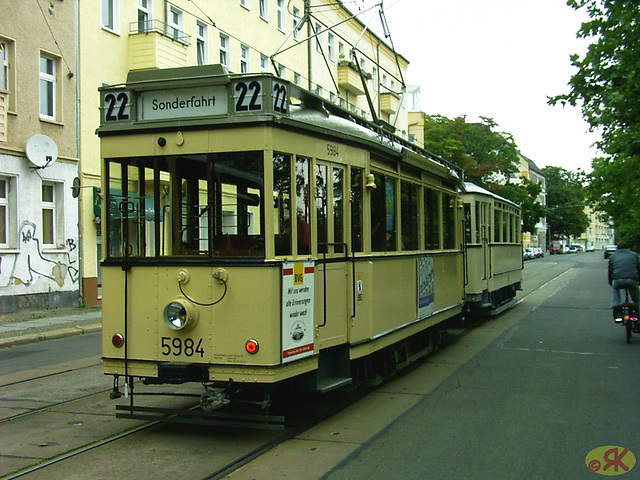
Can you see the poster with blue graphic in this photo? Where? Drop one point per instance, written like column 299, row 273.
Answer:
column 426, row 286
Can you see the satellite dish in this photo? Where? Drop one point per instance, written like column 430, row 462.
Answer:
column 42, row 151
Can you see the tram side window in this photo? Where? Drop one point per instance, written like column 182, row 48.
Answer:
column 448, row 220
column 410, row 215
column 467, row 223
column 497, row 223
column 130, row 209
column 337, row 200
column 322, row 207
column 282, row 203
column 303, row 206
column 431, row 219
column 357, row 189
column 383, row 214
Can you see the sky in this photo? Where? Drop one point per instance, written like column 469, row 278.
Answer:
column 499, row 59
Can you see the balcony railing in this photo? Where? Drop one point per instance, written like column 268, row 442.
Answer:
column 157, row 26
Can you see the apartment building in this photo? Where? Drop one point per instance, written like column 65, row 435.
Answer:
column 529, row 170
column 39, row 236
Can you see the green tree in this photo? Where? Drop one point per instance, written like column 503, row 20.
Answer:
column 565, row 203
column 607, row 87
column 480, row 150
column 525, row 194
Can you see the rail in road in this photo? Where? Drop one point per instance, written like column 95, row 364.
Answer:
column 58, row 421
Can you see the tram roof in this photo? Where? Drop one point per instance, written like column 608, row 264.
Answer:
column 309, row 113
column 473, row 188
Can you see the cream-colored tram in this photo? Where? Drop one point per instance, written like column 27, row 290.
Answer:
column 256, row 235
column 493, row 251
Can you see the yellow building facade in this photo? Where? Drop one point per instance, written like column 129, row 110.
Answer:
column 317, row 44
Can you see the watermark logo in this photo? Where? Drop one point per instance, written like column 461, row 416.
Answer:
column 610, row 460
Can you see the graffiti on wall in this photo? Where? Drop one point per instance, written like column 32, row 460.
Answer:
column 31, row 264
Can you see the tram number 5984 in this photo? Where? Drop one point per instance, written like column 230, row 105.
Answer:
column 176, row 347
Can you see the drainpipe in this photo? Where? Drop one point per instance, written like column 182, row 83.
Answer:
column 78, row 77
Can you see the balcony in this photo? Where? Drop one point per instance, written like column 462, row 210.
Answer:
column 389, row 102
column 349, row 79
column 154, row 44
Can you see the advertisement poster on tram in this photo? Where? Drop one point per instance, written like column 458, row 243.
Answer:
column 426, row 289
column 297, row 310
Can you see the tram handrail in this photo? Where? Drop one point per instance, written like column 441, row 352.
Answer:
column 324, row 276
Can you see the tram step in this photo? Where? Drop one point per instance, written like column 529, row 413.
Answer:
column 328, row 384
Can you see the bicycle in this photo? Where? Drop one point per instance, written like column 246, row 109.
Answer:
column 627, row 315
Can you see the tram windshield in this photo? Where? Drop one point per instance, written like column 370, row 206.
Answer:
column 207, row 205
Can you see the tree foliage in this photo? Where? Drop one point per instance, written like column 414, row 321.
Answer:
column 525, row 194
column 482, row 152
column 607, row 86
column 565, row 203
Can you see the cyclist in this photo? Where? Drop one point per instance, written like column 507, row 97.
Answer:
column 624, row 272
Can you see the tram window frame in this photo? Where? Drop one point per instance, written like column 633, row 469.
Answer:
column 449, row 203
column 383, row 213
column 282, row 199
column 431, row 221
column 177, row 209
column 410, row 215
column 302, row 199
column 357, row 209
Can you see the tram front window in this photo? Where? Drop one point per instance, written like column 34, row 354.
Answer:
column 206, row 205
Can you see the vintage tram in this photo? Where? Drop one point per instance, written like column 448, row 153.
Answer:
column 258, row 235
column 493, row 251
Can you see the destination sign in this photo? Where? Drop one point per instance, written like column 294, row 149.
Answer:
column 182, row 103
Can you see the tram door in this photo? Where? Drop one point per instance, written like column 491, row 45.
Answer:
column 332, row 314
column 482, row 224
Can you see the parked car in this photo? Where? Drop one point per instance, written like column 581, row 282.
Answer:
column 609, row 249
column 590, row 248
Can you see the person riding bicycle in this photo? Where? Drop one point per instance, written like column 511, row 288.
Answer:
column 624, row 272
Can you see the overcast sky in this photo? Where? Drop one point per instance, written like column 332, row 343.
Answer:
column 497, row 59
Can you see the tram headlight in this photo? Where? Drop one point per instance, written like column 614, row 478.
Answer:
column 180, row 314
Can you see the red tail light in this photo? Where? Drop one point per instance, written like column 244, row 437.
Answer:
column 251, row 346
column 117, row 340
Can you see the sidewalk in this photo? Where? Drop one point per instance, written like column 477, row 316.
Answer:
column 37, row 325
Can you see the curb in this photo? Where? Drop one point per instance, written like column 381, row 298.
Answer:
column 50, row 335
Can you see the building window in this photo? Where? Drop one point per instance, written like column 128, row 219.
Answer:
column 202, row 49
column 244, row 3
column 144, row 10
column 50, row 214
column 318, row 39
column 7, row 212
column 282, row 71
column 296, row 22
column 297, row 79
column 4, row 63
column 48, row 87
column 110, row 15
column 263, row 10
column 176, row 23
column 331, row 47
column 224, row 50
column 244, row 59
column 280, row 14
column 264, row 63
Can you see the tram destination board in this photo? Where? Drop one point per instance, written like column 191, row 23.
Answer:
column 249, row 95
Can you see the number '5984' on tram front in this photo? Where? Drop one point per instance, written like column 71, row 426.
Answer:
column 257, row 235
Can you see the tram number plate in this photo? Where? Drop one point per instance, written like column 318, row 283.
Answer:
column 248, row 97
column 116, row 106
column 177, row 346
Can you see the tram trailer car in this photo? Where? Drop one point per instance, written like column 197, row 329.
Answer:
column 257, row 235
column 493, row 251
